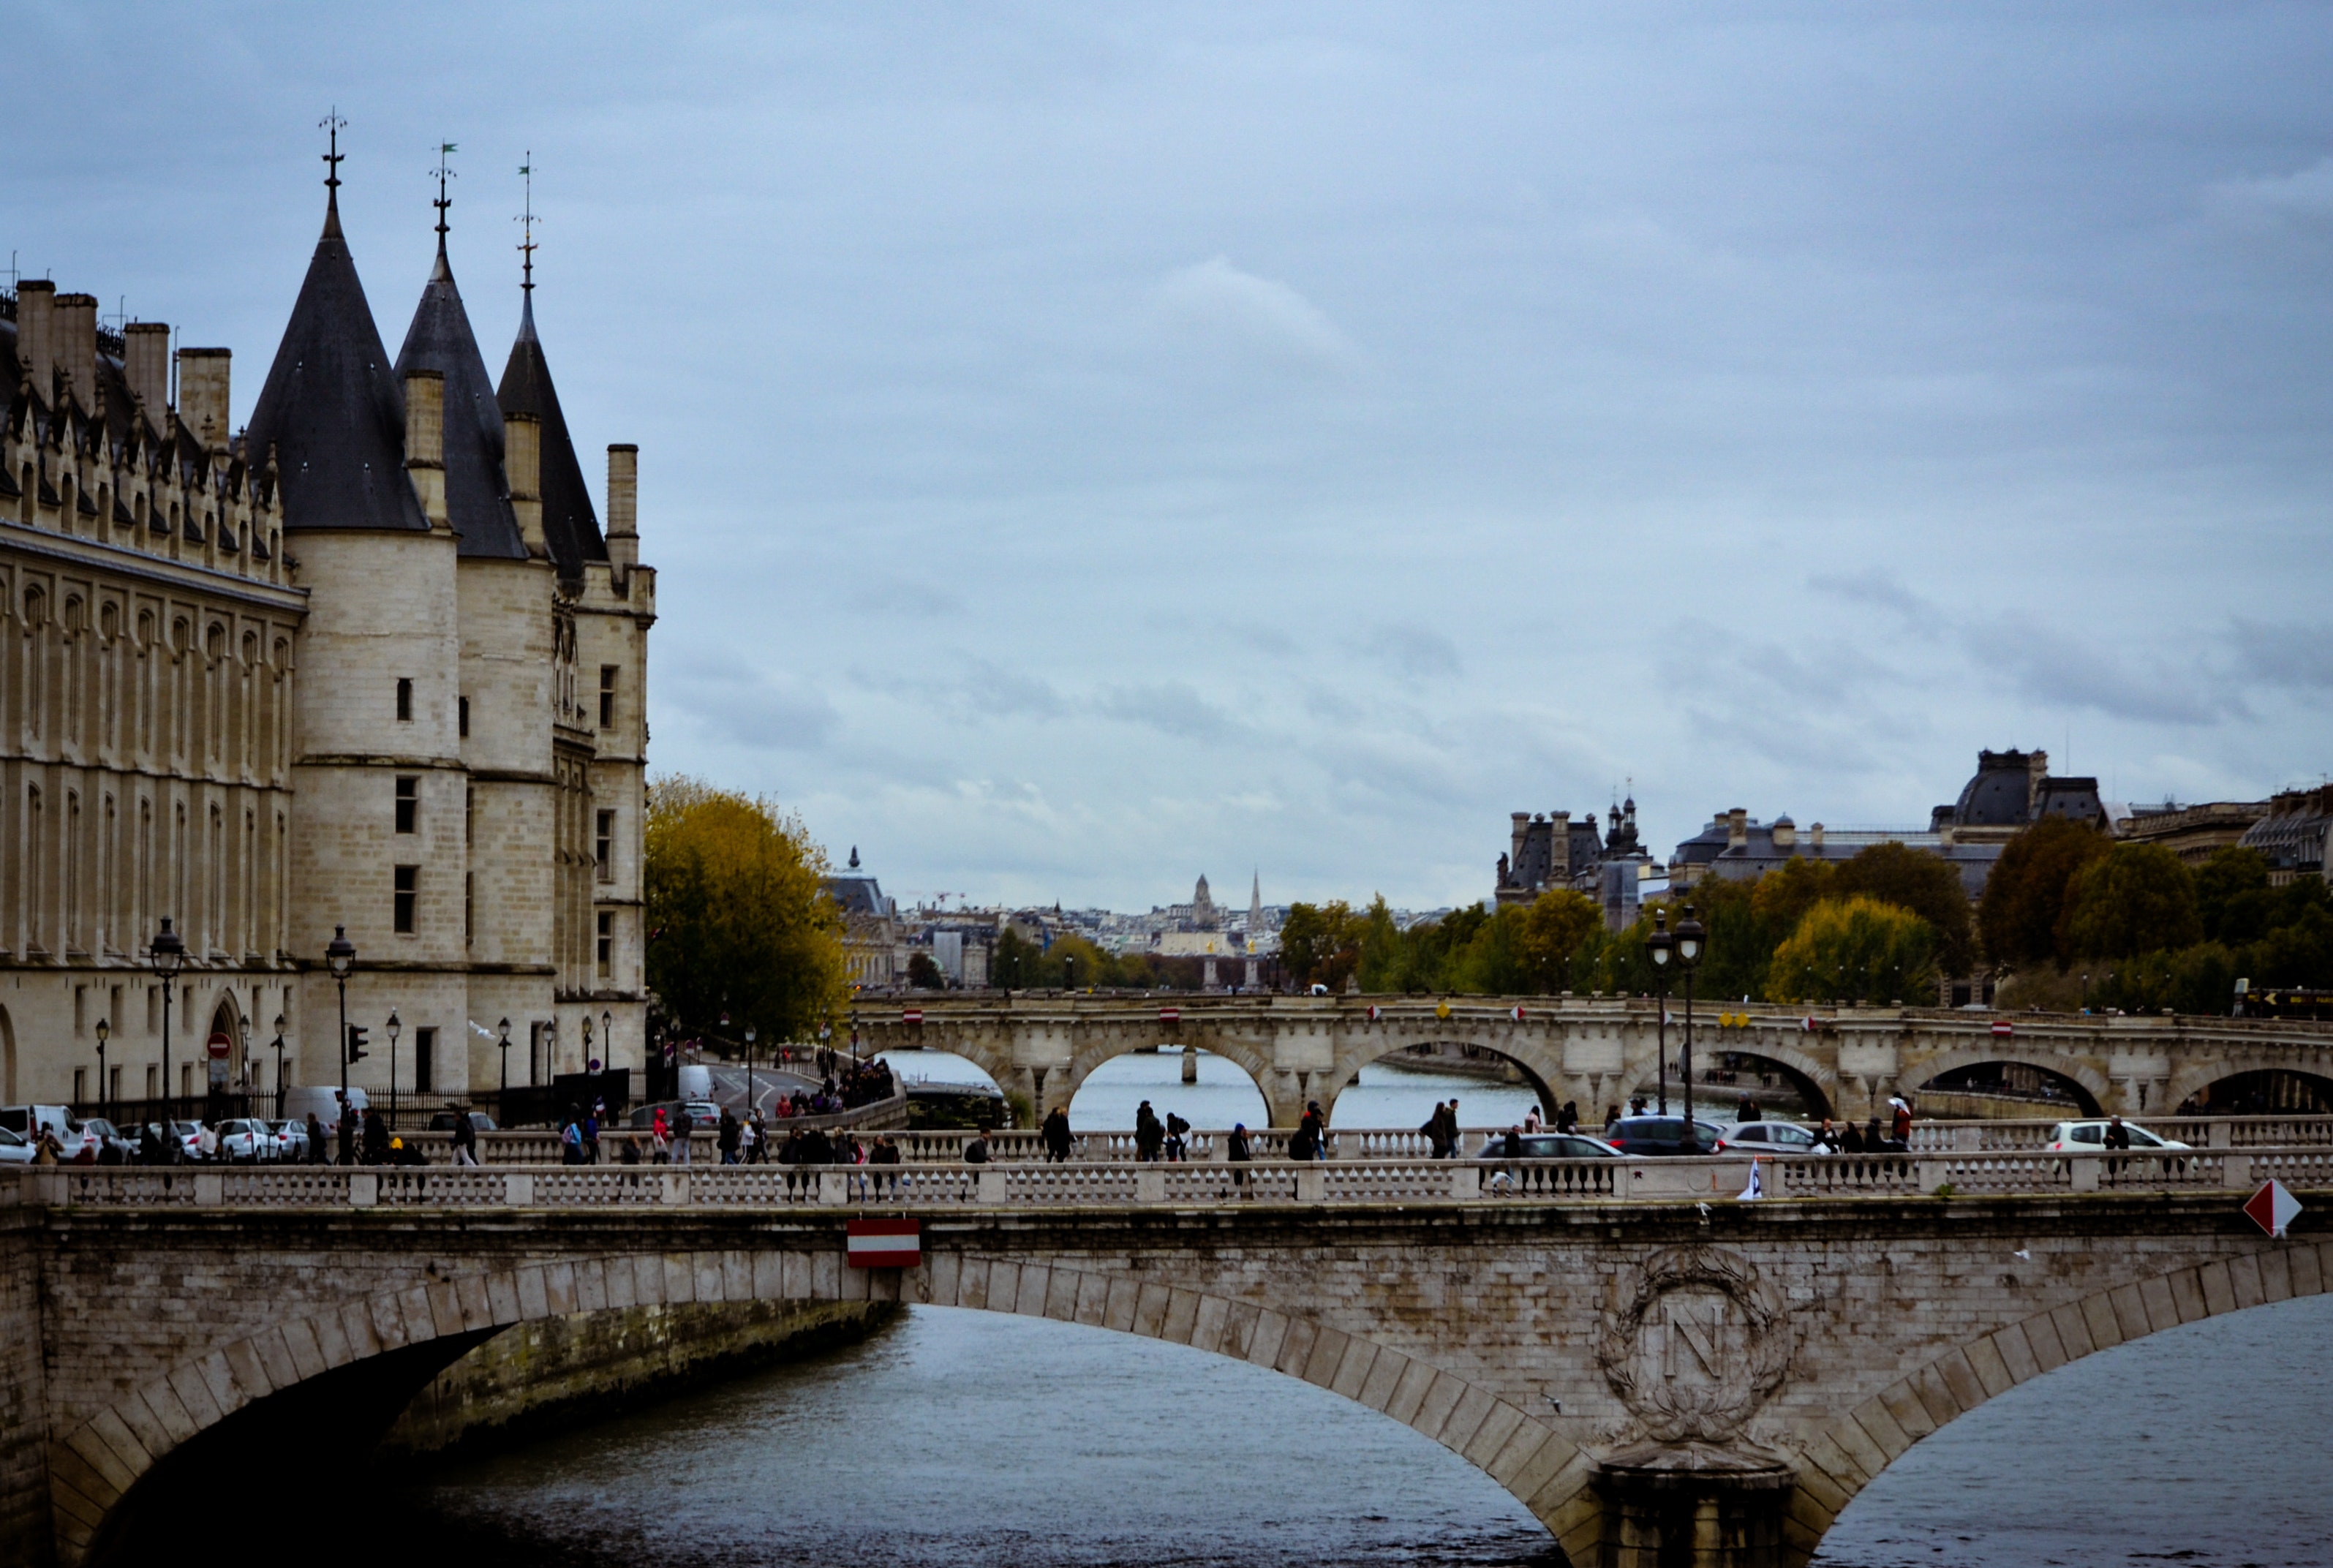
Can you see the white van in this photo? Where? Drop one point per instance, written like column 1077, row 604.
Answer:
column 696, row 1082
column 324, row 1102
column 27, row 1121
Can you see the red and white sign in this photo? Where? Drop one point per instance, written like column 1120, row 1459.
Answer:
column 1170, row 1014
column 1373, row 1012
column 2002, row 1026
column 911, row 1014
column 2271, row 1208
column 886, row 1244
column 221, row 1047
column 1517, row 1014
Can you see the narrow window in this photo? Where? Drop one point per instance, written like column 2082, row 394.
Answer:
column 462, row 716
column 405, row 699
column 80, row 1087
column 153, row 1081
column 607, row 940
column 604, row 845
column 113, row 1084
column 608, row 696
column 425, row 1060
column 408, row 883
column 469, row 907
column 408, row 803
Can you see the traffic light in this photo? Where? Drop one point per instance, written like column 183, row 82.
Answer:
column 356, row 1043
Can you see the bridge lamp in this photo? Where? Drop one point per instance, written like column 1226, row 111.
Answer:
column 168, row 955
column 104, row 1029
column 1660, row 945
column 243, row 1032
column 752, row 1034
column 501, row 1043
column 340, row 957
column 395, row 1024
column 607, row 1036
column 278, row 1043
column 1689, row 935
column 550, row 1047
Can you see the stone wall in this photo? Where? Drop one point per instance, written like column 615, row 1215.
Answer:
column 24, row 1528
column 531, row 1379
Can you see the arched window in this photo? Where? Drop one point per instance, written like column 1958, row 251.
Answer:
column 109, row 622
column 36, row 606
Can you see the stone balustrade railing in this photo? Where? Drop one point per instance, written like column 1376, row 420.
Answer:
column 1115, row 1183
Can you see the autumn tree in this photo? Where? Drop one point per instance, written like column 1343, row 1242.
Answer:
column 1926, row 884
column 1320, row 944
column 1854, row 948
column 2135, row 898
column 737, row 912
column 2024, row 899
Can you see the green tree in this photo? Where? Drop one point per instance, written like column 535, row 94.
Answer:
column 1013, row 963
column 1781, row 898
column 1555, row 925
column 1924, row 883
column 2024, row 899
column 1850, row 948
column 1074, row 963
column 2232, row 895
column 2136, row 899
column 1384, row 954
column 739, row 919
column 1320, row 944
column 923, row 973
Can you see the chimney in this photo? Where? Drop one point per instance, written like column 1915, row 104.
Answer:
column 623, row 506
column 1737, row 829
column 36, row 334
column 522, row 462
column 73, row 337
column 425, row 441
column 1786, row 833
column 1559, row 846
column 202, row 395
column 1521, row 821
column 2036, row 768
column 146, row 365
column 1814, row 837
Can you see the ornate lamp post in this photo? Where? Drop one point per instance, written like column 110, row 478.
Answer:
column 168, row 955
column 340, row 957
column 607, row 1039
column 278, row 1043
column 752, row 1033
column 104, row 1029
column 250, row 1071
column 1689, row 936
column 1660, row 945
column 395, row 1024
column 590, row 1063
column 502, row 1041
column 550, row 1046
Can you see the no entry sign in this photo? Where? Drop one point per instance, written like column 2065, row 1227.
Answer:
column 886, row 1244
column 2271, row 1208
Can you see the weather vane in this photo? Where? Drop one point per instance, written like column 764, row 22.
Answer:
column 526, row 218
column 332, row 125
column 446, row 149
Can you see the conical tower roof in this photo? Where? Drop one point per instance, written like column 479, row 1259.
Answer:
column 477, row 494
column 333, row 409
column 569, row 526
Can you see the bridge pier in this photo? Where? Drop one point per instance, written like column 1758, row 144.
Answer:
column 1692, row 1505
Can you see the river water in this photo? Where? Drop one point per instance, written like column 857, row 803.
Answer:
column 958, row 1437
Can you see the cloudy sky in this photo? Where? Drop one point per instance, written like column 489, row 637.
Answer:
column 1086, row 446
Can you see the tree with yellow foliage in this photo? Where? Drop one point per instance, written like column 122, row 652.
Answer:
column 1847, row 949
column 739, row 918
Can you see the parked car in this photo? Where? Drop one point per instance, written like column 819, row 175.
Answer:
column 2092, row 1134
column 190, row 1135
column 325, row 1101
column 1551, row 1146
column 1666, row 1135
column 290, row 1141
column 443, row 1120
column 15, row 1149
column 246, row 1140
column 114, row 1145
column 1769, row 1137
column 27, row 1121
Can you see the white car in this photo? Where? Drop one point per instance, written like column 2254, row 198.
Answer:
column 246, row 1140
column 1770, row 1138
column 290, row 1141
column 13, row 1149
column 2081, row 1135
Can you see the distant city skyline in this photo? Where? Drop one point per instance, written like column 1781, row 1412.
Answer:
column 1083, row 447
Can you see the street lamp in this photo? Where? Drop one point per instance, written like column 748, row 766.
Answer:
column 502, row 1041
column 340, row 957
column 1689, row 935
column 394, row 1026
column 589, row 1062
column 1660, row 944
column 607, row 1039
column 242, row 1033
column 278, row 1043
column 103, row 1030
column 550, row 1047
column 167, row 953
column 750, row 1034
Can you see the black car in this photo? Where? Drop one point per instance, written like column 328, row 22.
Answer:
column 1550, row 1146
column 443, row 1120
column 1664, row 1135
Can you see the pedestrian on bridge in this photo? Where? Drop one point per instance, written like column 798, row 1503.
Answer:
column 1056, row 1135
column 317, row 1153
column 1237, row 1151
column 726, row 1140
column 1315, row 1128
column 1149, row 1132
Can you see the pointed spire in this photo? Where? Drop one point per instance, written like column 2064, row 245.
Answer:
column 571, row 527
column 332, row 125
column 526, row 250
column 446, row 149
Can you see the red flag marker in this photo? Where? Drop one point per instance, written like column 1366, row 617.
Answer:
column 2271, row 1208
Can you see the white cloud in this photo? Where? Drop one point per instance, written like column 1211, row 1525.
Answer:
column 1217, row 300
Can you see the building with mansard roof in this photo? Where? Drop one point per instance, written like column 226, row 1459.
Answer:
column 370, row 663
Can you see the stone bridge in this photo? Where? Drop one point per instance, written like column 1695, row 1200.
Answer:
column 1597, row 1050
column 1661, row 1381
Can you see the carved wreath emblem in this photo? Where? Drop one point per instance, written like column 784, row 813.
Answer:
column 1698, row 1347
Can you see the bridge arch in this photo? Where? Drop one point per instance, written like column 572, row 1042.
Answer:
column 1853, row 1449
column 2091, row 1088
column 1814, row 1082
column 1539, row 1072
column 2246, row 1080
column 1248, row 1058
column 96, row 1471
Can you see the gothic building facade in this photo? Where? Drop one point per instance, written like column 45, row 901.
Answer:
column 370, row 663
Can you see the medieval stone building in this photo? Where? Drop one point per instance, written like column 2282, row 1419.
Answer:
column 370, row 663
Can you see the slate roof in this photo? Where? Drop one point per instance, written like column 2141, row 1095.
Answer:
column 332, row 408
column 569, row 526
column 478, row 496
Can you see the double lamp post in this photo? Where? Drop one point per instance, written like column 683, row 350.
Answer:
column 1685, row 949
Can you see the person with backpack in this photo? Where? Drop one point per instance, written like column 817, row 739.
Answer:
column 1177, row 1137
column 1149, row 1132
column 570, row 1140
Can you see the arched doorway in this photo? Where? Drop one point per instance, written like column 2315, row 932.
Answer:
column 219, row 1070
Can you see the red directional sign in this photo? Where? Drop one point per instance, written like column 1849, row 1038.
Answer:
column 2271, row 1208
column 885, row 1244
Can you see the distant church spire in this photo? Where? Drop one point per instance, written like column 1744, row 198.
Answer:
column 446, row 149
column 526, row 250
column 332, row 125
